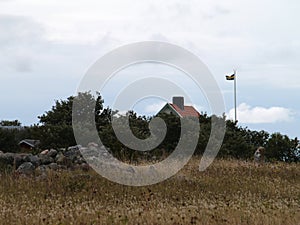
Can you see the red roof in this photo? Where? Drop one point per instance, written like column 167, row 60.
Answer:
column 188, row 111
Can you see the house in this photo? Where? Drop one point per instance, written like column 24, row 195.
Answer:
column 29, row 144
column 179, row 109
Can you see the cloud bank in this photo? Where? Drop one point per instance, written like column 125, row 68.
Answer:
column 255, row 115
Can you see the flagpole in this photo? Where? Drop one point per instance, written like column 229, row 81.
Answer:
column 235, row 111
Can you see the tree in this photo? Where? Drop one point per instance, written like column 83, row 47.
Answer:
column 205, row 130
column 281, row 148
column 235, row 142
column 56, row 129
column 5, row 123
column 9, row 138
column 61, row 112
column 257, row 138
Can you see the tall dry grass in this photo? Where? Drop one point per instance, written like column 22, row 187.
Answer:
column 228, row 192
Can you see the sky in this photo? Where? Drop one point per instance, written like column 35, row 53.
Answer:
column 47, row 47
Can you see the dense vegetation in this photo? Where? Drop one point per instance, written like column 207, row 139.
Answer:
column 55, row 131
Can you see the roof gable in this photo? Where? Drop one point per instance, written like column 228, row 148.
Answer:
column 188, row 111
column 168, row 106
column 30, row 142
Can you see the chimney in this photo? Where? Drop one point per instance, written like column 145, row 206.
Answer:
column 179, row 101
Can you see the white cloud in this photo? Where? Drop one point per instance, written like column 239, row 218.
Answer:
column 154, row 108
column 55, row 42
column 248, row 114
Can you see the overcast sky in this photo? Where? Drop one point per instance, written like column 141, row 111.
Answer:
column 46, row 48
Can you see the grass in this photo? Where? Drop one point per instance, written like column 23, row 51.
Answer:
column 228, row 192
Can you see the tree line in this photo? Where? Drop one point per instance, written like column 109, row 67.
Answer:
column 55, row 131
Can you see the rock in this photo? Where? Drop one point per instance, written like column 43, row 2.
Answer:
column 45, row 152
column 35, row 160
column 59, row 158
column 80, row 160
column 92, row 144
column 88, row 152
column 41, row 170
column 6, row 162
column 52, row 153
column 103, row 149
column 76, row 147
column 26, row 168
column 83, row 149
column 7, row 158
column 25, row 163
column 53, row 166
column 63, row 160
column 72, row 154
column 18, row 160
column 45, row 159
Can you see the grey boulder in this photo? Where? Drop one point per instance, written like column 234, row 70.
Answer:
column 26, row 168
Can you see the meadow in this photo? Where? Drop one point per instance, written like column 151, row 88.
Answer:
column 228, row 192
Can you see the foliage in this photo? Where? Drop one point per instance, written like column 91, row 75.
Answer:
column 11, row 133
column 173, row 133
column 10, row 123
column 53, row 136
column 281, row 148
column 138, row 127
column 9, row 138
column 61, row 112
column 56, row 130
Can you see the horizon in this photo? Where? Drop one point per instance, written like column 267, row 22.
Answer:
column 156, row 107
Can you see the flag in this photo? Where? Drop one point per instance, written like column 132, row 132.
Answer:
column 231, row 77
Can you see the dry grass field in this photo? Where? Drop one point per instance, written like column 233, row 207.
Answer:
column 228, row 192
